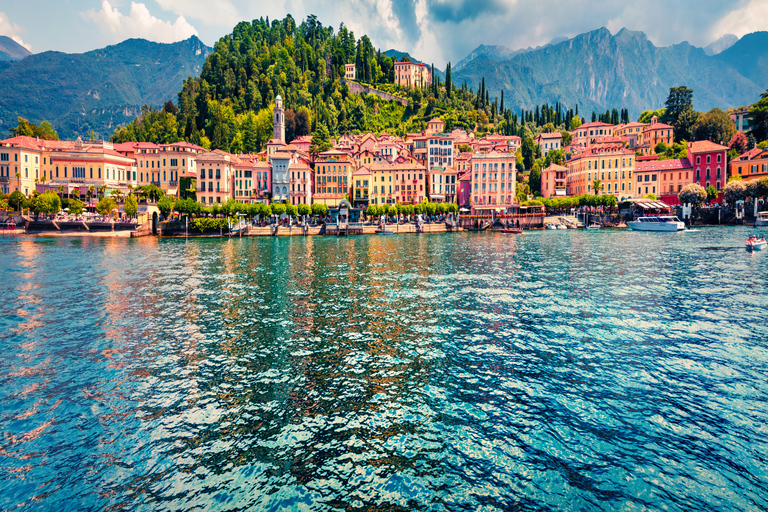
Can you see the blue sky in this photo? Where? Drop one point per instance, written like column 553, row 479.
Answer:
column 432, row 30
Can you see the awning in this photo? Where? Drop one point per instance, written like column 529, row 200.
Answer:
column 172, row 191
column 560, row 193
column 648, row 205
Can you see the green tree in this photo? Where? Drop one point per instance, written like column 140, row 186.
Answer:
column 321, row 140
column 528, row 150
column 534, row 180
column 597, row 186
column 660, row 148
column 106, row 205
column 758, row 118
column 694, row 194
column 278, row 209
column 304, row 210
column 164, row 204
column 47, row 202
column 16, row 199
column 75, row 206
column 735, row 190
column 318, row 209
column 711, row 193
column 575, row 123
column 716, row 126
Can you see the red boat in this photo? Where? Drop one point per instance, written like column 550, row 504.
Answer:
column 512, row 231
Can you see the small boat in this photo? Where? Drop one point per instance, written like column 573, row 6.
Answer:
column 594, row 226
column 762, row 219
column 561, row 226
column 755, row 244
column 512, row 231
column 384, row 232
column 551, row 226
column 662, row 223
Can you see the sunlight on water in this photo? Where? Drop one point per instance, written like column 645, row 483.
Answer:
column 552, row 370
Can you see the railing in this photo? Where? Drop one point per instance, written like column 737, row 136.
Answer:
column 4, row 179
column 173, row 183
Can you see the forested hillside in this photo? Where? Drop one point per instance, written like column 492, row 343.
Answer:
column 229, row 106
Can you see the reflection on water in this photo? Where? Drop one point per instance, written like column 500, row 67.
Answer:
column 552, row 370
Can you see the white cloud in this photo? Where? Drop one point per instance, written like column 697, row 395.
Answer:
column 748, row 19
column 12, row 30
column 210, row 12
column 138, row 23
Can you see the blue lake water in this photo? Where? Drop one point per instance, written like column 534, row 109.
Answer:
column 554, row 370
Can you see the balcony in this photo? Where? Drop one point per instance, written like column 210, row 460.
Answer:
column 4, row 179
column 173, row 183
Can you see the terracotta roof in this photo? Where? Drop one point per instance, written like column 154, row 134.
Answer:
column 658, row 126
column 596, row 124
column 705, row 146
column 552, row 135
column 555, row 167
column 663, row 165
column 748, row 155
column 466, row 176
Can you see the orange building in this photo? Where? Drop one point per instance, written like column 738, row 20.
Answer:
column 612, row 165
column 653, row 134
column 553, row 181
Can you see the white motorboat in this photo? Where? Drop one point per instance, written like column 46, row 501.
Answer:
column 551, row 226
column 762, row 219
column 561, row 226
column 664, row 223
column 594, row 226
column 755, row 244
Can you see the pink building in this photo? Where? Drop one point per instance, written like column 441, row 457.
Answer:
column 709, row 163
column 494, row 183
column 553, row 181
column 465, row 189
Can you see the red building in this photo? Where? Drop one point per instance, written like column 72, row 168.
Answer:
column 709, row 163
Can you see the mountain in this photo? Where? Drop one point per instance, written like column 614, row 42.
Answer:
column 491, row 52
column 721, row 44
column 598, row 70
column 11, row 50
column 99, row 89
column 749, row 55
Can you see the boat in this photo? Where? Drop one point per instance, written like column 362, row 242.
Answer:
column 663, row 223
column 551, row 226
column 755, row 244
column 512, row 231
column 560, row 226
column 594, row 226
column 762, row 219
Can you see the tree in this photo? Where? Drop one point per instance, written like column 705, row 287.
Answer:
column 738, row 142
column 16, row 199
column 47, row 202
column 76, row 206
column 679, row 100
column 694, row 194
column 304, row 210
column 716, row 126
column 566, row 140
column 291, row 210
column 106, row 205
column 652, row 197
column 528, row 150
column 711, row 193
column 131, row 206
column 575, row 123
column 660, row 148
column 321, row 140
column 318, row 209
column 534, row 180
column 278, row 209
column 597, row 186
column 758, row 118
column 164, row 204
column 735, row 190
column 44, row 131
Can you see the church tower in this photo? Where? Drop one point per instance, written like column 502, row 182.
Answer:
column 279, row 120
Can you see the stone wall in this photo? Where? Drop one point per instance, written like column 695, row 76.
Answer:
column 362, row 89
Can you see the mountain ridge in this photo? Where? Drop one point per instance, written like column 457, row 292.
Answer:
column 10, row 50
column 598, row 70
column 98, row 89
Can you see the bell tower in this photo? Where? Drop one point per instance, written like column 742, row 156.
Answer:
column 279, row 119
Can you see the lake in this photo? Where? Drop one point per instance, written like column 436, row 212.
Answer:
column 554, row 370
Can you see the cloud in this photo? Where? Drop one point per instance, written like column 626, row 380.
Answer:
column 210, row 12
column 138, row 23
column 462, row 10
column 749, row 18
column 12, row 30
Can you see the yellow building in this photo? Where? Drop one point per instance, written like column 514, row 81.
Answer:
column 361, row 180
column 161, row 164
column 653, row 134
column 333, row 177
column 412, row 74
column 401, row 182
column 611, row 164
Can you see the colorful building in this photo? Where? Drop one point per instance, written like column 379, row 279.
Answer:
column 553, row 181
column 751, row 165
column 586, row 133
column 333, row 177
column 349, row 71
column 401, row 182
column 215, row 177
column 709, row 162
column 361, row 180
column 663, row 178
column 654, row 133
column 493, row 180
column 548, row 141
column 612, row 165
column 442, row 184
column 412, row 74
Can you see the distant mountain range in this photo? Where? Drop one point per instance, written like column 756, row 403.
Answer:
column 11, row 50
column 95, row 90
column 598, row 70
